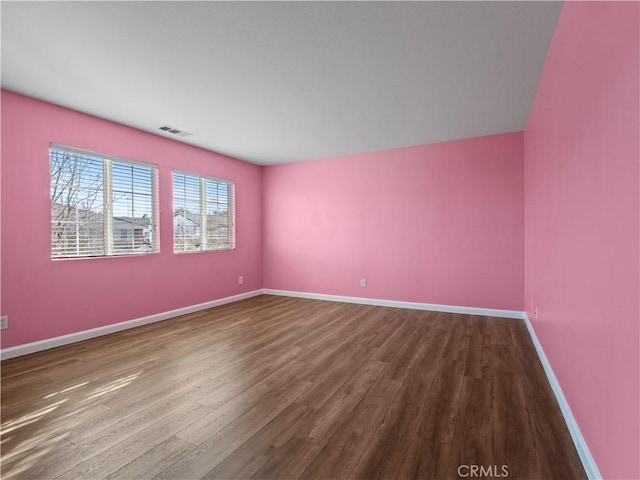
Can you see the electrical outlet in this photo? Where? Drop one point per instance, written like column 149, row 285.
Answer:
column 240, row 280
column 363, row 282
column 4, row 322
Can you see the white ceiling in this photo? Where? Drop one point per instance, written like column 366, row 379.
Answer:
column 273, row 82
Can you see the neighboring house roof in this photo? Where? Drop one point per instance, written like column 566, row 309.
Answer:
column 59, row 212
column 128, row 222
column 188, row 216
column 194, row 219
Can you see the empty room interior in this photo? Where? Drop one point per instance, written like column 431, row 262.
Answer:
column 320, row 240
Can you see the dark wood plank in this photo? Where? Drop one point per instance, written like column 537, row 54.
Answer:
column 388, row 445
column 274, row 387
column 345, row 446
column 513, row 441
column 439, row 403
column 425, row 460
column 250, row 457
column 290, row 461
column 153, row 461
column 208, row 454
column 330, row 415
column 472, row 438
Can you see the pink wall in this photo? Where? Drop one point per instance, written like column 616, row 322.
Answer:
column 46, row 298
column 582, row 224
column 439, row 223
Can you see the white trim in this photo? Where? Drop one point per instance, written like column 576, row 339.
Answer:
column 33, row 347
column 107, row 202
column 588, row 462
column 489, row 312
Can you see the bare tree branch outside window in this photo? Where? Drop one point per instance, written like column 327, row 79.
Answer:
column 101, row 206
column 76, row 205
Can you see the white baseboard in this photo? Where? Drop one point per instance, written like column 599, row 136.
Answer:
column 33, row 347
column 488, row 312
column 588, row 463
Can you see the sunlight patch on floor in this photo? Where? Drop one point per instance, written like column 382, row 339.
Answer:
column 65, row 390
column 113, row 386
column 29, row 418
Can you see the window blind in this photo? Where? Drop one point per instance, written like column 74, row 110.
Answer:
column 203, row 213
column 101, row 205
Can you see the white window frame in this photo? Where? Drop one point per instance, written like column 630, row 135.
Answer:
column 231, row 206
column 107, row 208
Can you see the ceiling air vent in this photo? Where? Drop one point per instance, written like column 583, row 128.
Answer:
column 175, row 131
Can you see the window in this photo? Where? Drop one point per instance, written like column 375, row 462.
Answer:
column 125, row 234
column 203, row 213
column 101, row 205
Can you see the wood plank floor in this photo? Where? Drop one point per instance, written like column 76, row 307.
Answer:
column 275, row 387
